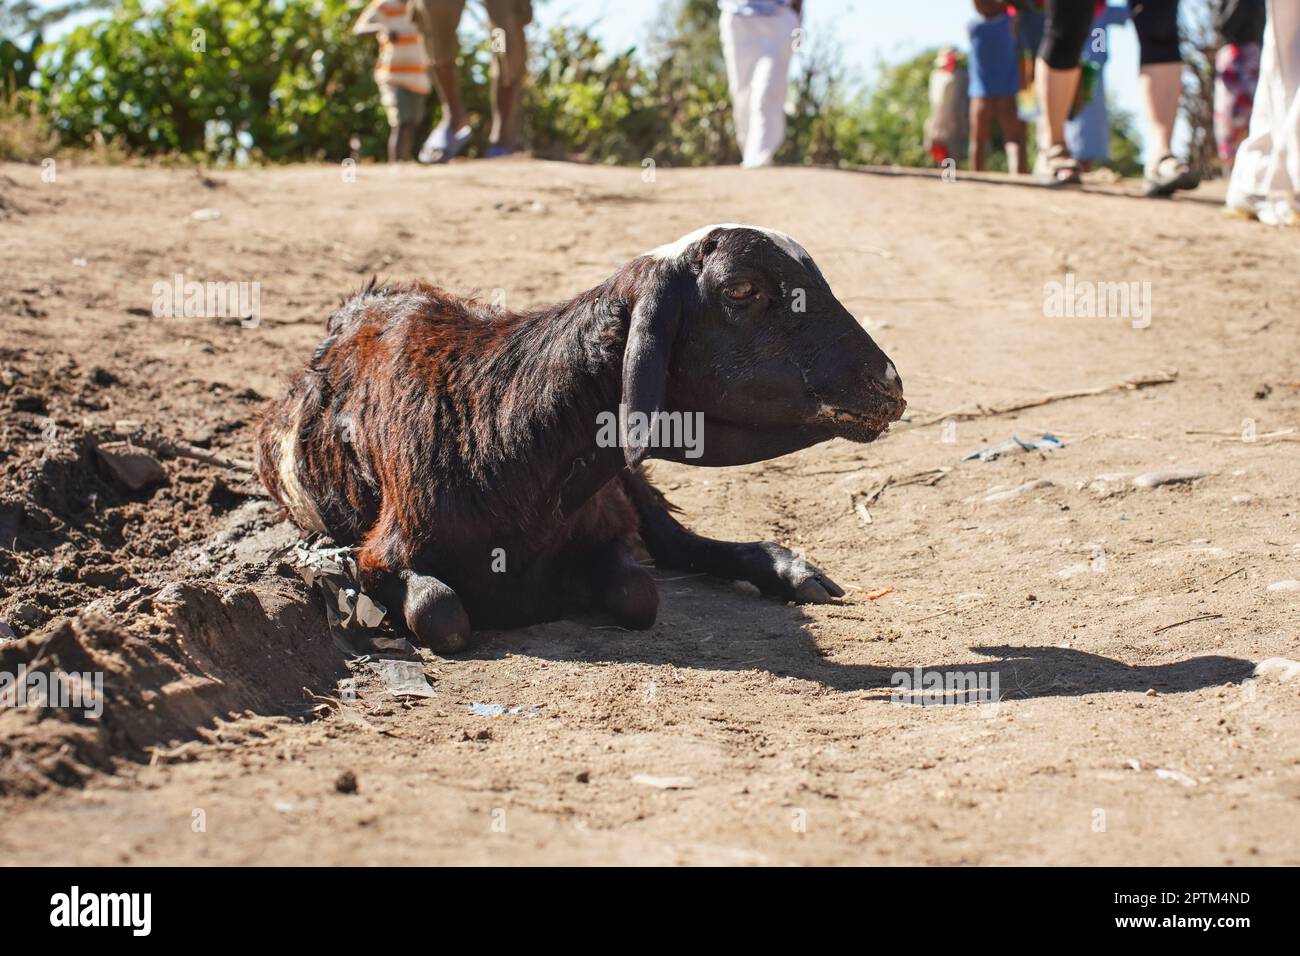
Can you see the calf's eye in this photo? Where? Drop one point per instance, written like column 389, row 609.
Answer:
column 740, row 291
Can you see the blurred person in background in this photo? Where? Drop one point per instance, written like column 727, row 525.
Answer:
column 401, row 71
column 947, row 129
column 439, row 21
column 994, row 82
column 1057, row 76
column 1087, row 132
column 757, row 43
column 1240, row 25
column 1265, row 182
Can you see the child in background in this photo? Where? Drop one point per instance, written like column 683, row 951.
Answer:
column 1087, row 132
column 994, row 83
column 402, row 71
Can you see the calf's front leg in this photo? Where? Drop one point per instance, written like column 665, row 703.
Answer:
column 430, row 610
column 774, row 570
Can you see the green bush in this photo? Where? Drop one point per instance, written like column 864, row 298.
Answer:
column 285, row 80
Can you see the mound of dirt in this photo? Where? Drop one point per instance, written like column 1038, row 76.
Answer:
column 171, row 660
column 73, row 528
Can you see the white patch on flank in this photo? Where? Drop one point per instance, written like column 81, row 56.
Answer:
column 674, row 249
column 301, row 507
column 891, row 373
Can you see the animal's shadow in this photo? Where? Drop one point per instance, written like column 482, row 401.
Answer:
column 711, row 625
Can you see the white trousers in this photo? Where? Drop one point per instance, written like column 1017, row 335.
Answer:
column 1269, row 158
column 757, row 50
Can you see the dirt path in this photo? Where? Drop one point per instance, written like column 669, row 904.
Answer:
column 1116, row 738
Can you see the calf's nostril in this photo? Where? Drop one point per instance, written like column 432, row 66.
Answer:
column 889, row 378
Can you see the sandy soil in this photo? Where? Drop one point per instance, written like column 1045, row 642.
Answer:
column 1115, row 739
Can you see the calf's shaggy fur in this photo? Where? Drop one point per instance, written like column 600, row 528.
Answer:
column 459, row 446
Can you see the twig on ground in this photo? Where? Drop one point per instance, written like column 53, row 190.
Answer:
column 992, row 411
column 1226, row 576
column 1190, row 620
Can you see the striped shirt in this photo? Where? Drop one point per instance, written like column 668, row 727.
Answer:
column 755, row 8
column 403, row 61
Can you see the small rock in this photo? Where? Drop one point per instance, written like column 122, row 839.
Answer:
column 7, row 633
column 1173, row 476
column 103, row 377
column 1152, row 692
column 206, row 214
column 583, row 776
column 26, row 614
column 127, row 426
column 664, row 783
column 1019, row 490
column 1283, row 668
column 112, row 578
column 1177, row 776
column 134, row 467
column 346, row 782
column 1290, row 584
column 1073, row 569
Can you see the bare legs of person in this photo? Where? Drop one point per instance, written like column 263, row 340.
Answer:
column 1056, row 92
column 453, row 108
column 401, row 142
column 984, row 112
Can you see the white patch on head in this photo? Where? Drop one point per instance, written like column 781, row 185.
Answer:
column 295, row 498
column 674, row 249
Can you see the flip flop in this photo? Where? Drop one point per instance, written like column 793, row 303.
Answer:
column 443, row 145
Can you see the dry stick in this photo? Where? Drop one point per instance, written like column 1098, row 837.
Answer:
column 1226, row 576
column 180, row 449
column 1190, row 620
column 1146, row 381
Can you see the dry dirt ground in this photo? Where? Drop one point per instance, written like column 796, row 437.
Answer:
column 1115, row 738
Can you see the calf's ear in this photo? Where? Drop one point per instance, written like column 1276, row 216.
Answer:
column 652, row 330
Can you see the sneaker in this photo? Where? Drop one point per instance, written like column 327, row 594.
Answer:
column 1279, row 212
column 1167, row 176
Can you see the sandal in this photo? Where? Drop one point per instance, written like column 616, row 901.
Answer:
column 443, row 144
column 1056, row 167
column 1167, row 176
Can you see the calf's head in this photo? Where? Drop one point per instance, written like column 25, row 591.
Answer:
column 738, row 324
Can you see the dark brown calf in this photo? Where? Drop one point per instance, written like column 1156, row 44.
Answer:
column 467, row 452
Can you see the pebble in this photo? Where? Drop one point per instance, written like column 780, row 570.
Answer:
column 664, row 783
column 1283, row 668
column 1290, row 584
column 1019, row 490
column 1174, row 476
column 28, row 614
column 134, row 467
column 1177, row 776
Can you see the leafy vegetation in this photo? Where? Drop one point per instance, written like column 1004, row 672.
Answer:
column 285, row 80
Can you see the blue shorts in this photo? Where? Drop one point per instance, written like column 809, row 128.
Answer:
column 994, row 59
